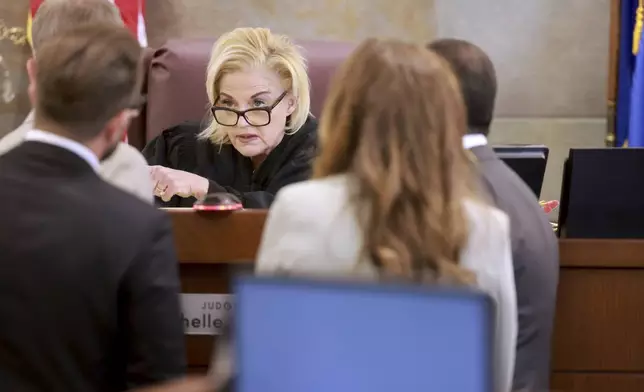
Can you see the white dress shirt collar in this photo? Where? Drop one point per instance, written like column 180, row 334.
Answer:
column 474, row 140
column 82, row 151
column 29, row 120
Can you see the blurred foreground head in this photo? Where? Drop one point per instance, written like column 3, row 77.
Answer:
column 86, row 82
column 394, row 121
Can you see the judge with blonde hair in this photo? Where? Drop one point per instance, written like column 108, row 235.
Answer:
column 260, row 136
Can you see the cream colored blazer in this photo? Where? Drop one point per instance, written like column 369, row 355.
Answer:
column 311, row 230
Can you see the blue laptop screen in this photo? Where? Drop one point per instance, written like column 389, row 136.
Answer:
column 295, row 336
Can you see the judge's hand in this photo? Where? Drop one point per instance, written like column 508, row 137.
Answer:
column 169, row 182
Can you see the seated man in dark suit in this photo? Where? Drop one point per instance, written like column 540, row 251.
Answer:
column 535, row 250
column 88, row 283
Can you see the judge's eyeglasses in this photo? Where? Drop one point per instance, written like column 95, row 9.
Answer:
column 257, row 117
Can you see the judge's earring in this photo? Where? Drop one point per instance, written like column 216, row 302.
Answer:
column 292, row 105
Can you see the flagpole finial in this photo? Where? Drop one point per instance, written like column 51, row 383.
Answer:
column 639, row 23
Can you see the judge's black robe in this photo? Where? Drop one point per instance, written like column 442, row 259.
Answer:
column 229, row 171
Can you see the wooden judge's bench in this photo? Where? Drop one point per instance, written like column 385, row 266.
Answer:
column 598, row 344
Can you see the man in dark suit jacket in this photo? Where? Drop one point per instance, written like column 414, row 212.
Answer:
column 88, row 273
column 535, row 250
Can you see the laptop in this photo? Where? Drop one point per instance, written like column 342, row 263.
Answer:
column 602, row 194
column 317, row 336
column 528, row 161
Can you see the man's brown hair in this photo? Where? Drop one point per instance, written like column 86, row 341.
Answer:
column 86, row 76
column 56, row 16
column 477, row 77
column 393, row 121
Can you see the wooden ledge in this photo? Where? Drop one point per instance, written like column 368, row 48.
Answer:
column 601, row 253
column 217, row 237
column 234, row 237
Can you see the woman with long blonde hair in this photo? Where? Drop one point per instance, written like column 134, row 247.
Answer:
column 392, row 194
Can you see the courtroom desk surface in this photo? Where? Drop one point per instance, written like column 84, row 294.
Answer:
column 611, row 253
column 212, row 248
column 599, row 325
column 217, row 237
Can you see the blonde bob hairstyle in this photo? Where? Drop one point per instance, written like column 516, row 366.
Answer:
column 255, row 47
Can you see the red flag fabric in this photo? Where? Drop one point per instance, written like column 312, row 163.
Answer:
column 132, row 12
column 33, row 7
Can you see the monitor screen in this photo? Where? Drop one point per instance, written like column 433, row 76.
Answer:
column 602, row 194
column 295, row 336
column 528, row 161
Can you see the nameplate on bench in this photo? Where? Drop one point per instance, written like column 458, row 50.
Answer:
column 205, row 314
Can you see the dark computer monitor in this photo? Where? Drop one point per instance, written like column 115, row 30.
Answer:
column 313, row 336
column 528, row 161
column 602, row 194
